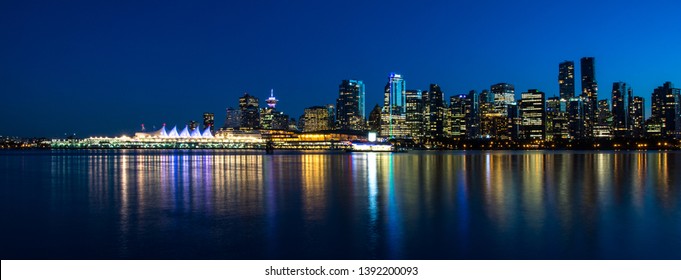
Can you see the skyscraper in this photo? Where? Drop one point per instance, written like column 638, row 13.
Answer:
column 533, row 114
column 316, row 119
column 566, row 80
column 666, row 110
column 589, row 94
column 350, row 105
column 435, row 112
column 393, row 116
column 620, row 109
column 250, row 113
column 472, row 115
column 415, row 114
column 209, row 121
column 457, row 106
column 637, row 117
column 232, row 118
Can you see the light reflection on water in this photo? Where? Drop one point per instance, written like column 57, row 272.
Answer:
column 423, row 205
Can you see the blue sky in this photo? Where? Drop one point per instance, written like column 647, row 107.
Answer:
column 97, row 68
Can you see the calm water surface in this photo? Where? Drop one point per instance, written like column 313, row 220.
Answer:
column 418, row 205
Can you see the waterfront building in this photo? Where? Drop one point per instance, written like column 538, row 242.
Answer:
column 589, row 95
column 533, row 115
column 434, row 112
column 232, row 118
column 316, row 119
column 250, row 112
column 350, row 114
column 556, row 120
column 637, row 117
column 457, row 123
column 393, row 114
column 666, row 110
column 472, row 115
column 621, row 96
column 603, row 126
column 566, row 80
column 575, row 112
column 415, row 115
column 374, row 121
column 209, row 121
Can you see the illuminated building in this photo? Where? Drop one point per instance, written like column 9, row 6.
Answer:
column 193, row 125
column 232, row 118
column 556, row 120
column 621, row 96
column 566, row 80
column 533, row 115
column 457, row 119
column 666, row 110
column 589, row 94
column 375, row 119
column 575, row 112
column 472, row 115
column 250, row 112
column 637, row 117
column 603, row 126
column 316, row 119
column 271, row 101
column 414, row 108
column 393, row 115
column 350, row 105
column 209, row 121
column 434, row 112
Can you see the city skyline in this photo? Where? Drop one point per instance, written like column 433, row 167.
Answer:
column 98, row 69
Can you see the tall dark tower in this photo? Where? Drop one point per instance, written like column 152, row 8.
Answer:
column 566, row 80
column 209, row 121
column 350, row 105
column 620, row 108
column 589, row 94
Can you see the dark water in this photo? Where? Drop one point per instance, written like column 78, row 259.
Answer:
column 417, row 205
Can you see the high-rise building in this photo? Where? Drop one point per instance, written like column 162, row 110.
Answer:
column 503, row 94
column 415, row 114
column 209, row 121
column 457, row 124
column 637, row 117
column 589, row 94
column 472, row 115
column 533, row 114
column 435, row 112
column 495, row 122
column 375, row 119
column 393, row 116
column 566, row 80
column 620, row 109
column 232, row 119
column 316, row 119
column 556, row 120
column 666, row 110
column 193, row 125
column 250, row 112
column 350, row 105
column 575, row 112
column 603, row 126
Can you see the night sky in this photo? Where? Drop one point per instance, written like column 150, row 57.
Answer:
column 102, row 69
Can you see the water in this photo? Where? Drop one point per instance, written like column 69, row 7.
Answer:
column 419, row 205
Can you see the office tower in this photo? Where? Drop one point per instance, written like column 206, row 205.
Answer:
column 503, row 94
column 515, row 121
column 575, row 111
column 374, row 120
column 350, row 105
column 415, row 114
column 209, row 121
column 556, row 120
column 472, row 115
column 495, row 122
column 232, row 119
column 434, row 112
column 637, row 117
column 566, row 80
column 316, row 119
column 332, row 116
column 457, row 106
column 666, row 110
column 250, row 112
column 603, row 126
column 533, row 115
column 589, row 94
column 193, row 125
column 393, row 118
column 620, row 109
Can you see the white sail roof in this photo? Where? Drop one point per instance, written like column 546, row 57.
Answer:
column 173, row 133
column 185, row 132
column 206, row 133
